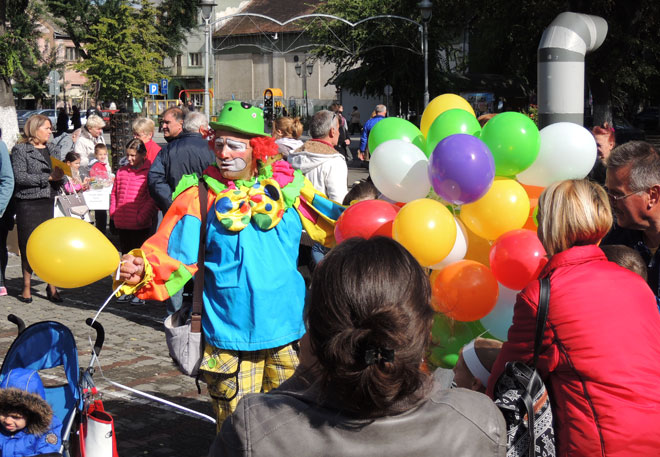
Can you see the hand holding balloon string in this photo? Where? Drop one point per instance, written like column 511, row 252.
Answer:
column 131, row 269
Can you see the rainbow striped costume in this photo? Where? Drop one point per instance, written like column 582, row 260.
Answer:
column 253, row 292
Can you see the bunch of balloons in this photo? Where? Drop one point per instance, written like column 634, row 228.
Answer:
column 468, row 198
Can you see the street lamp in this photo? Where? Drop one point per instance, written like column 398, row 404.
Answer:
column 309, row 67
column 207, row 10
column 426, row 8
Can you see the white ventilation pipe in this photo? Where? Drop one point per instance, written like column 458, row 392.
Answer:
column 561, row 66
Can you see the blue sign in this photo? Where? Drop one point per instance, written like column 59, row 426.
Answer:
column 153, row 89
column 163, row 86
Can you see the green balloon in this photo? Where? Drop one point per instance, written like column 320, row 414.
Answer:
column 514, row 141
column 448, row 337
column 393, row 128
column 449, row 123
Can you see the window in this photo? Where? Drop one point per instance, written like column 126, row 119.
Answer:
column 195, row 59
column 71, row 54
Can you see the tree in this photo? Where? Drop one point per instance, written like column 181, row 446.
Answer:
column 388, row 51
column 18, row 54
column 124, row 52
column 174, row 18
column 621, row 74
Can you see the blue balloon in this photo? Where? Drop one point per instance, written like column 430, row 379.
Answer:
column 461, row 169
column 498, row 321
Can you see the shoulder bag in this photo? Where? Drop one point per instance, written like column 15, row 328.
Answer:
column 523, row 398
column 183, row 329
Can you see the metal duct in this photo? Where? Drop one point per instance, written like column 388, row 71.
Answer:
column 561, row 66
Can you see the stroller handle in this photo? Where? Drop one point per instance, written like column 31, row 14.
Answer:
column 14, row 319
column 100, row 334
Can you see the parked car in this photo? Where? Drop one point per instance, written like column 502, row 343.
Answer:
column 648, row 118
column 50, row 113
column 23, row 117
column 624, row 131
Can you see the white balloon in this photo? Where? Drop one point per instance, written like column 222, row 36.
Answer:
column 568, row 151
column 458, row 251
column 399, row 171
column 498, row 321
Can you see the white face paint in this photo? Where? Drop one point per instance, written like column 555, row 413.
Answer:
column 233, row 157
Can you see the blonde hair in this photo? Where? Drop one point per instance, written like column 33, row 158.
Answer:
column 571, row 213
column 33, row 124
column 95, row 122
column 144, row 126
column 291, row 127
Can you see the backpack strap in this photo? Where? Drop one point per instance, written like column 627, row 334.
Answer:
column 541, row 316
column 198, row 287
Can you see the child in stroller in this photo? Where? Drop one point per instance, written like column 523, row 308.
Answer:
column 28, row 426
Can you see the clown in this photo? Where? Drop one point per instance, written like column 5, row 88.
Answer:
column 253, row 292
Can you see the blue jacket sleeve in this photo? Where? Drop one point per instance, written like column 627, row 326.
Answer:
column 6, row 178
column 364, row 137
column 157, row 182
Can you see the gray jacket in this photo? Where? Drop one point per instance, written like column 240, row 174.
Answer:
column 289, row 421
column 31, row 172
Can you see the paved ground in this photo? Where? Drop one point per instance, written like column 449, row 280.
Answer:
column 134, row 354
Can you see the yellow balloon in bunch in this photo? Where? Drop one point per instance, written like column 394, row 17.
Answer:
column 69, row 252
column 427, row 229
column 505, row 207
column 478, row 249
column 439, row 105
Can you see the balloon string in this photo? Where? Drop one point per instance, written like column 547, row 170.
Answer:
column 96, row 359
column 106, row 302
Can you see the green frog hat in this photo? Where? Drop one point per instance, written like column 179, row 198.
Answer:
column 240, row 117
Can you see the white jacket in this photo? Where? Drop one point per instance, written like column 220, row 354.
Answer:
column 85, row 147
column 324, row 167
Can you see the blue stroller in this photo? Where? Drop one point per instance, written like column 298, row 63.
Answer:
column 51, row 345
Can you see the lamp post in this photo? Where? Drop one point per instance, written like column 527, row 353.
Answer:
column 207, row 10
column 426, row 8
column 303, row 70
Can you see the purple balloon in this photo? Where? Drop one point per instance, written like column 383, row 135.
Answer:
column 461, row 169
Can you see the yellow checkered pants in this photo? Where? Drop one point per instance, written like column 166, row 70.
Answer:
column 232, row 374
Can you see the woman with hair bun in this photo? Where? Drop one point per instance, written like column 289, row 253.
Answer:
column 287, row 132
column 360, row 388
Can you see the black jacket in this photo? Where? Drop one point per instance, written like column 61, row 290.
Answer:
column 186, row 154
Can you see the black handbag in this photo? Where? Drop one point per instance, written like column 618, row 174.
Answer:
column 523, row 398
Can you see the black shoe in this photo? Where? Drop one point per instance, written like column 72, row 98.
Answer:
column 23, row 299
column 55, row 298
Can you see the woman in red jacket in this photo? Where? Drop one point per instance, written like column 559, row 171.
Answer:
column 600, row 355
column 131, row 207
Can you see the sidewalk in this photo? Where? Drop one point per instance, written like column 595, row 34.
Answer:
column 134, row 354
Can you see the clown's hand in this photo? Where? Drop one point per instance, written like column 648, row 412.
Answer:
column 131, row 269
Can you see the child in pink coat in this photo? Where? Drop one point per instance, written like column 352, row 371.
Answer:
column 131, row 208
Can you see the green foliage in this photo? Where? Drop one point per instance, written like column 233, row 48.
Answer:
column 388, row 50
column 124, row 51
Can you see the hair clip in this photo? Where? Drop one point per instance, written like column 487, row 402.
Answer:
column 376, row 355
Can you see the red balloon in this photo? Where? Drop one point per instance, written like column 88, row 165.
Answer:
column 516, row 258
column 366, row 219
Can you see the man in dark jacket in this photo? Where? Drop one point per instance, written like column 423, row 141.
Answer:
column 187, row 152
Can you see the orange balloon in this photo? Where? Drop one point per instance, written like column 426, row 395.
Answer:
column 465, row 290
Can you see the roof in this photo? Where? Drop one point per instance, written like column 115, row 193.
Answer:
column 280, row 10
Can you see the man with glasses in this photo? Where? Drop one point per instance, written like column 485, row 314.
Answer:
column 253, row 292
column 633, row 185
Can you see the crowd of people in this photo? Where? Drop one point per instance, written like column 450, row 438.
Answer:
column 339, row 364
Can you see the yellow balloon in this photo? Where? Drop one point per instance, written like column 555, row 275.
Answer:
column 69, row 252
column 478, row 249
column 505, row 207
column 439, row 105
column 427, row 229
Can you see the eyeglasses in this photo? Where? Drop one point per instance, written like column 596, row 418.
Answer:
column 617, row 198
